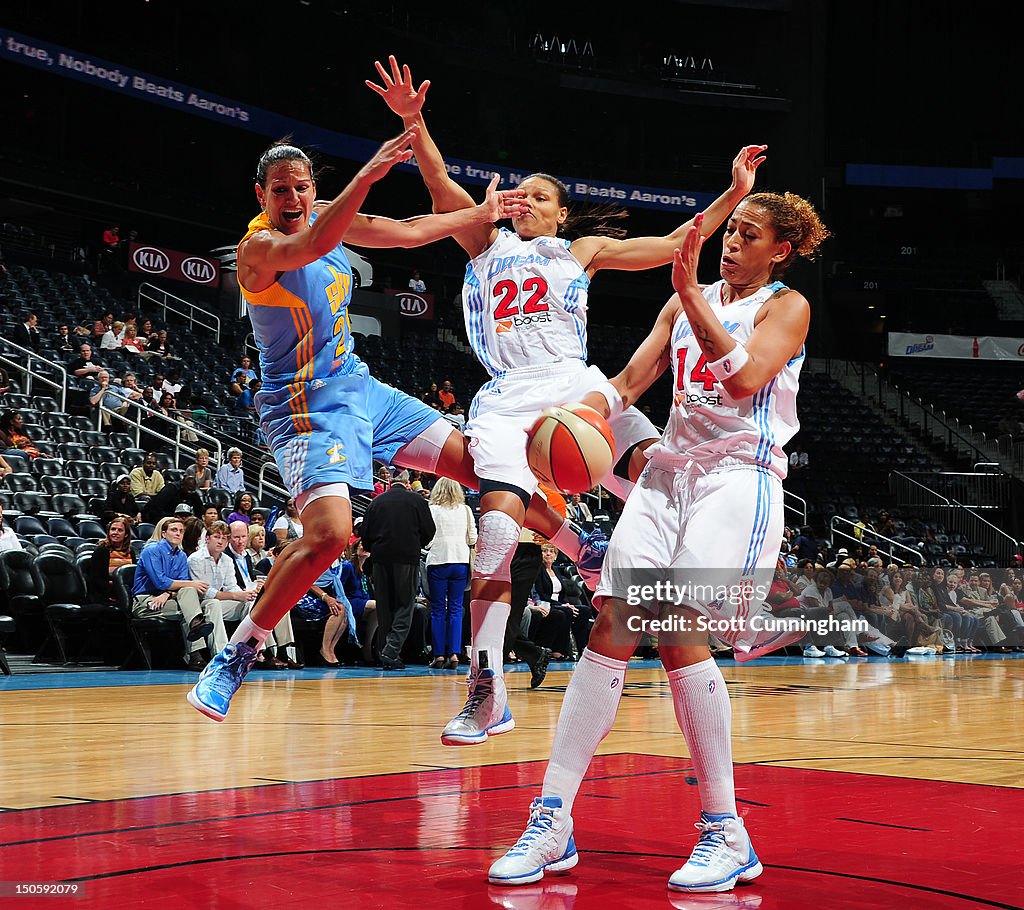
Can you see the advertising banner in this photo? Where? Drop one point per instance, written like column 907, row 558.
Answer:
column 163, row 263
column 956, row 347
column 414, row 304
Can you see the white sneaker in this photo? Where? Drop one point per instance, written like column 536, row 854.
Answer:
column 547, row 845
column 812, row 651
column 722, row 857
column 486, row 712
column 834, row 652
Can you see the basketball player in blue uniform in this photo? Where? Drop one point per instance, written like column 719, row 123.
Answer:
column 324, row 416
column 525, row 303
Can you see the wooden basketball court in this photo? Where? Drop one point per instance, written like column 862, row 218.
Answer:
column 869, row 783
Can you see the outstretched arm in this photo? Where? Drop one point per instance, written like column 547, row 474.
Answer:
column 406, row 101
column 778, row 334
column 637, row 253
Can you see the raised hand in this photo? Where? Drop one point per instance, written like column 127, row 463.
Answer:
column 398, row 90
column 685, row 259
column 500, row 204
column 749, row 159
column 394, row 151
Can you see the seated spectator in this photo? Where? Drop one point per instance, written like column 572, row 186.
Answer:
column 146, row 480
column 201, row 470
column 13, row 437
column 63, row 341
column 783, row 593
column 805, row 546
column 120, row 501
column 355, row 582
column 9, row 540
column 577, row 510
column 146, row 332
column 816, row 601
column 224, row 599
column 245, row 403
column 113, row 337
column 173, row 495
column 106, row 395
column 243, row 508
column 430, row 396
column 132, row 342
column 257, row 548
column 114, row 551
column 1011, row 614
column 164, row 587
column 129, row 389
column 981, row 601
column 383, row 482
column 25, row 334
column 84, row 366
column 556, row 587
column 456, row 416
column 446, row 395
column 938, row 601
column 161, row 346
column 804, row 575
column 282, row 637
column 846, row 601
column 231, row 476
column 289, row 525
column 549, row 628
column 416, row 283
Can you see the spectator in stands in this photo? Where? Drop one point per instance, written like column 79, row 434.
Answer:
column 805, row 546
column 164, row 587
column 446, row 395
column 938, row 601
column 103, row 394
column 120, row 500
column 416, row 283
column 201, row 470
column 289, row 525
column 448, row 562
column 282, row 635
column 1011, row 615
column 84, row 366
column 146, row 479
column 243, row 508
column 846, row 592
column 13, row 436
column 243, row 372
column 980, row 600
column 257, row 548
column 804, row 575
column 9, row 540
column 99, row 329
column 456, row 416
column 556, row 587
column 114, row 551
column 397, row 525
column 161, row 346
column 63, row 341
column 549, row 628
column 577, row 510
column 131, row 341
column 172, row 495
column 783, row 593
column 224, row 599
column 26, row 334
column 430, row 396
column 245, row 403
column 113, row 337
column 816, row 601
column 230, row 476
column 383, row 482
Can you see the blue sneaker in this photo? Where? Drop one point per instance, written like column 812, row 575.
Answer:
column 722, row 857
column 593, row 546
column 211, row 695
column 547, row 845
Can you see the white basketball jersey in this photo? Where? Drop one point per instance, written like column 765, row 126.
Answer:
column 708, row 425
column 525, row 303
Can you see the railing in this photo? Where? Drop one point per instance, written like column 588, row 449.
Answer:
column 167, row 301
column 888, row 547
column 980, row 490
column 955, row 517
column 277, row 489
column 24, row 366
column 800, row 509
column 134, row 416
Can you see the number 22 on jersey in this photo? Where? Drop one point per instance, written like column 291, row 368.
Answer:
column 508, row 294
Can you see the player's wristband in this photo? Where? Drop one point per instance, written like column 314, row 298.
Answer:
column 730, row 364
column 613, row 398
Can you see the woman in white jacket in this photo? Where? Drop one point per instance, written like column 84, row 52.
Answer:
column 448, row 570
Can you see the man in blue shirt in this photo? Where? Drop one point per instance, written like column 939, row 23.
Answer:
column 230, row 476
column 163, row 587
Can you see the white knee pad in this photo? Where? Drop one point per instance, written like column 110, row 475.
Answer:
column 495, row 546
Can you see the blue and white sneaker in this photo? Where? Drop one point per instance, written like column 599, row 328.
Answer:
column 220, row 679
column 722, row 857
column 486, row 712
column 547, row 845
column 593, row 547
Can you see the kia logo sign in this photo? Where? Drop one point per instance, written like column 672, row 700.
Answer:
column 150, row 259
column 412, row 304
column 198, row 270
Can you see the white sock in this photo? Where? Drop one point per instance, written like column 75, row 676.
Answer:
column 588, row 712
column 247, row 630
column 705, row 717
column 487, row 620
column 567, row 539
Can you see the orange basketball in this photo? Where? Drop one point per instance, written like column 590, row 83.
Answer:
column 570, row 447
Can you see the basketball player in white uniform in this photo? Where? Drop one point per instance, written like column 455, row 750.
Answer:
column 711, row 495
column 525, row 303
